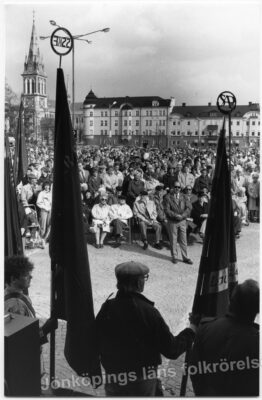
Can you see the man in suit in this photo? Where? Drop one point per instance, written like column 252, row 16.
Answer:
column 177, row 208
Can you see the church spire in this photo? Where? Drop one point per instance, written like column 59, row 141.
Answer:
column 33, row 53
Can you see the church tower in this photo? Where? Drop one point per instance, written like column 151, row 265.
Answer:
column 34, row 95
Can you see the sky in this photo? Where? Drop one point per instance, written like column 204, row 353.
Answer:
column 191, row 51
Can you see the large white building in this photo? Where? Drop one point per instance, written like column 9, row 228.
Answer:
column 159, row 122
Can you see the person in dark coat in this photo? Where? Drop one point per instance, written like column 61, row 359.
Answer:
column 225, row 354
column 199, row 213
column 135, row 187
column 203, row 181
column 177, row 209
column 169, row 178
column 94, row 183
column 132, row 335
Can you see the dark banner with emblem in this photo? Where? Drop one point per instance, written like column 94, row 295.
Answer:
column 13, row 238
column 73, row 300
column 217, row 271
column 20, row 159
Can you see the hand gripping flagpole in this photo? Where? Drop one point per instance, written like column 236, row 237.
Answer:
column 62, row 42
column 226, row 103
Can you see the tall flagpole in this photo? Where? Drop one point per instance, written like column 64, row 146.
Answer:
column 52, row 333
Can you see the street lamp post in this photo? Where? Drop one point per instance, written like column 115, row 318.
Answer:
column 76, row 37
column 110, row 121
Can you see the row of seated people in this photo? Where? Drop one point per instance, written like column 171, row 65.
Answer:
column 109, row 213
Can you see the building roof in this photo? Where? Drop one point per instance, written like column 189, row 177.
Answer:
column 212, row 111
column 137, row 101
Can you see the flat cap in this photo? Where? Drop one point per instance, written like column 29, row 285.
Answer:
column 131, row 268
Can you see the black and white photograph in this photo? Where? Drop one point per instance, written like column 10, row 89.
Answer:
column 131, row 176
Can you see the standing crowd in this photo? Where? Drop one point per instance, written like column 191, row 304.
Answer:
column 164, row 191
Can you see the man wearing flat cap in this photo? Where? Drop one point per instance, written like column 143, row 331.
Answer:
column 132, row 335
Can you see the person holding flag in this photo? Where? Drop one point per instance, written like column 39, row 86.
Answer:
column 225, row 355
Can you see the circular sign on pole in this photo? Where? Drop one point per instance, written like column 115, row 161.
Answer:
column 226, row 102
column 61, row 41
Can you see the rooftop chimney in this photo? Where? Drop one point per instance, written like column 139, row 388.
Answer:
column 209, row 104
column 250, row 103
column 183, row 104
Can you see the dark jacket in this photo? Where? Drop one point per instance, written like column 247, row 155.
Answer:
column 169, row 180
column 174, row 209
column 197, row 210
column 202, row 182
column 132, row 334
column 135, row 188
column 94, row 184
column 226, row 339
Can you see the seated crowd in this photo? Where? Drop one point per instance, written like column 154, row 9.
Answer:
column 125, row 190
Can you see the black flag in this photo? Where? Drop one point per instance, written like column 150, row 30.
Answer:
column 73, row 299
column 217, row 274
column 20, row 159
column 13, row 238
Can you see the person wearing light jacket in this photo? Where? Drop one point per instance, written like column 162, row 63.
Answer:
column 44, row 203
column 119, row 214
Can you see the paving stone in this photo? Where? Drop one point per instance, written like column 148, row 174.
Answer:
column 170, row 286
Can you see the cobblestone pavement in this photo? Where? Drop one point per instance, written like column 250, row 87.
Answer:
column 170, row 286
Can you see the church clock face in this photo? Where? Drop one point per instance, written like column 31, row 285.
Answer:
column 30, row 102
column 42, row 102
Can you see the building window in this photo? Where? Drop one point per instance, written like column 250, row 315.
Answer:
column 125, row 132
column 125, row 122
column 116, row 131
column 130, row 113
column 164, row 113
column 188, row 133
column 102, row 113
column 116, row 113
column 253, row 133
column 253, row 122
column 160, row 113
column 150, row 122
column 102, row 123
column 105, row 113
column 188, row 122
column 237, row 133
column 137, row 113
column 150, row 113
column 129, row 123
column 91, row 114
column 137, row 122
column 105, row 132
column 116, row 123
column 247, row 123
column 258, row 134
column 91, row 123
column 155, row 103
column 178, row 132
column 105, row 123
column 258, row 123
column 238, row 122
column 146, row 122
column 150, row 132
column 102, row 132
column 196, row 133
column 164, row 123
column 203, row 133
column 178, row 123
column 137, row 132
column 174, row 122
